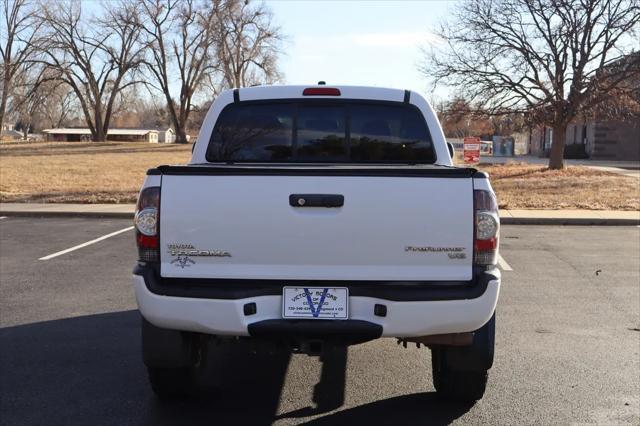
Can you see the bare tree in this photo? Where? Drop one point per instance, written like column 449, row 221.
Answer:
column 141, row 111
column 459, row 119
column 198, row 114
column 249, row 44
column 27, row 95
column 59, row 106
column 39, row 101
column 181, row 37
column 96, row 58
column 554, row 59
column 17, row 31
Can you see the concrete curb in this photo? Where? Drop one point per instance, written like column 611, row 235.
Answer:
column 568, row 221
column 505, row 219
column 97, row 215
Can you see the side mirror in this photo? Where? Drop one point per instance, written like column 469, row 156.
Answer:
column 451, row 149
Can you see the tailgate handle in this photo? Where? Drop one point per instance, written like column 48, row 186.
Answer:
column 316, row 200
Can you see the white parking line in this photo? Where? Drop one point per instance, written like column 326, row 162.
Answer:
column 88, row 243
column 503, row 263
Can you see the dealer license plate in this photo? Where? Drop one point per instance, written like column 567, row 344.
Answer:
column 315, row 302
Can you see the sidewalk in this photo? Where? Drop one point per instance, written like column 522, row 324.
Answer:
column 569, row 217
column 53, row 209
column 508, row 217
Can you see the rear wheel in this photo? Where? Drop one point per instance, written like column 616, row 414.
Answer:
column 460, row 373
column 175, row 360
column 169, row 383
column 467, row 386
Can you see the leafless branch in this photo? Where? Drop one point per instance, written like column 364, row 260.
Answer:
column 18, row 28
column 181, row 41
column 553, row 59
column 97, row 58
column 249, row 44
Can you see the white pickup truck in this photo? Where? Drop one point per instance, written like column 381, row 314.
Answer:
column 318, row 216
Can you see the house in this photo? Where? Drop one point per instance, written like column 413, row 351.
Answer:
column 8, row 133
column 84, row 134
column 605, row 139
column 166, row 135
column 602, row 134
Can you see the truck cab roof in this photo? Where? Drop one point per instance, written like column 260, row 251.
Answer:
column 296, row 91
column 316, row 93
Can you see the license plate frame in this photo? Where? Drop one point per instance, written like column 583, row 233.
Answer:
column 335, row 304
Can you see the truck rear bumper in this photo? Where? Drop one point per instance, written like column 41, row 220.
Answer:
column 403, row 318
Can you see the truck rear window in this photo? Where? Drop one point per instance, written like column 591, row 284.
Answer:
column 321, row 132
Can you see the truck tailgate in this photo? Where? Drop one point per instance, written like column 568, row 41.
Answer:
column 389, row 228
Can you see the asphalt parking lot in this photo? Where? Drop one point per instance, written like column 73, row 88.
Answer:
column 567, row 344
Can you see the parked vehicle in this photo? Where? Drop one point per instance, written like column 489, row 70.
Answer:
column 318, row 216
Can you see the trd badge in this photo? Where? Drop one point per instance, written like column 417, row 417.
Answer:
column 183, row 261
column 176, row 249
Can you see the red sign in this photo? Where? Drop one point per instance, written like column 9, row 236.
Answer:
column 471, row 150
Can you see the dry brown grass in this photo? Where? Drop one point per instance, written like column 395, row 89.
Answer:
column 112, row 172
column 528, row 186
column 80, row 172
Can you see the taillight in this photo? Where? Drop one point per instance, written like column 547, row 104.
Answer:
column 147, row 223
column 321, row 91
column 486, row 228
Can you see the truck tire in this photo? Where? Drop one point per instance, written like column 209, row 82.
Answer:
column 168, row 349
column 174, row 360
column 170, row 383
column 460, row 373
column 463, row 386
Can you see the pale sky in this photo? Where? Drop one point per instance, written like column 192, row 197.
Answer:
column 374, row 43
column 370, row 43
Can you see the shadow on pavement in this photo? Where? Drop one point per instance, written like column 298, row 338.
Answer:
column 88, row 370
column 417, row 408
column 328, row 393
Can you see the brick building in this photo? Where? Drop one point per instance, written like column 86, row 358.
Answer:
column 601, row 136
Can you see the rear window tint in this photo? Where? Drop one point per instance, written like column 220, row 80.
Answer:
column 321, row 132
column 259, row 132
column 379, row 132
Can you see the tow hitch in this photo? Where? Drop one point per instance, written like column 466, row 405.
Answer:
column 309, row 347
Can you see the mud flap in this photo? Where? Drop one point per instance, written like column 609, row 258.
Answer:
column 476, row 357
column 163, row 348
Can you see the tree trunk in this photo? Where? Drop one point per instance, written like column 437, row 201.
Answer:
column 100, row 134
column 181, row 121
column 556, row 157
column 181, row 135
column 3, row 103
